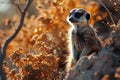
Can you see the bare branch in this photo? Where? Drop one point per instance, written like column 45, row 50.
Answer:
column 9, row 39
column 108, row 12
column 19, row 8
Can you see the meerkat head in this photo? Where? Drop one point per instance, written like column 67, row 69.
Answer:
column 78, row 16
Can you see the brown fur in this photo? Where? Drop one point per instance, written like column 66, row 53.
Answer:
column 83, row 41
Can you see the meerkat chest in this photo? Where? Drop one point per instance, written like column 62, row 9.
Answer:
column 78, row 34
column 77, row 39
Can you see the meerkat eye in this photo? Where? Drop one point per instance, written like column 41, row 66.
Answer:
column 78, row 14
column 87, row 16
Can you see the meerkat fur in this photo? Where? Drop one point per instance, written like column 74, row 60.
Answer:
column 82, row 39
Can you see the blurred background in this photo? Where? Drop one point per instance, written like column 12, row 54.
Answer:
column 40, row 49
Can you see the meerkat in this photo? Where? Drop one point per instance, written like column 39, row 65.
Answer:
column 83, row 40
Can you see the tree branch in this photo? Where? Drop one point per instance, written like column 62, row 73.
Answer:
column 108, row 12
column 19, row 9
column 9, row 39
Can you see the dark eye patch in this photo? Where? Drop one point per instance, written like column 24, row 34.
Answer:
column 87, row 16
column 78, row 14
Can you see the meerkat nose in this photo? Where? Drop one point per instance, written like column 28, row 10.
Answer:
column 71, row 19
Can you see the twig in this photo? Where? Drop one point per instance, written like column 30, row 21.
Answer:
column 108, row 12
column 19, row 8
column 9, row 39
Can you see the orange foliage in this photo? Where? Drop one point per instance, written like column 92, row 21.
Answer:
column 33, row 67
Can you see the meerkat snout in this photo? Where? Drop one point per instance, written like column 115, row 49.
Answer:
column 78, row 16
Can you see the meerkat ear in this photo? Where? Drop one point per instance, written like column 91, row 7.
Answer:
column 87, row 16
